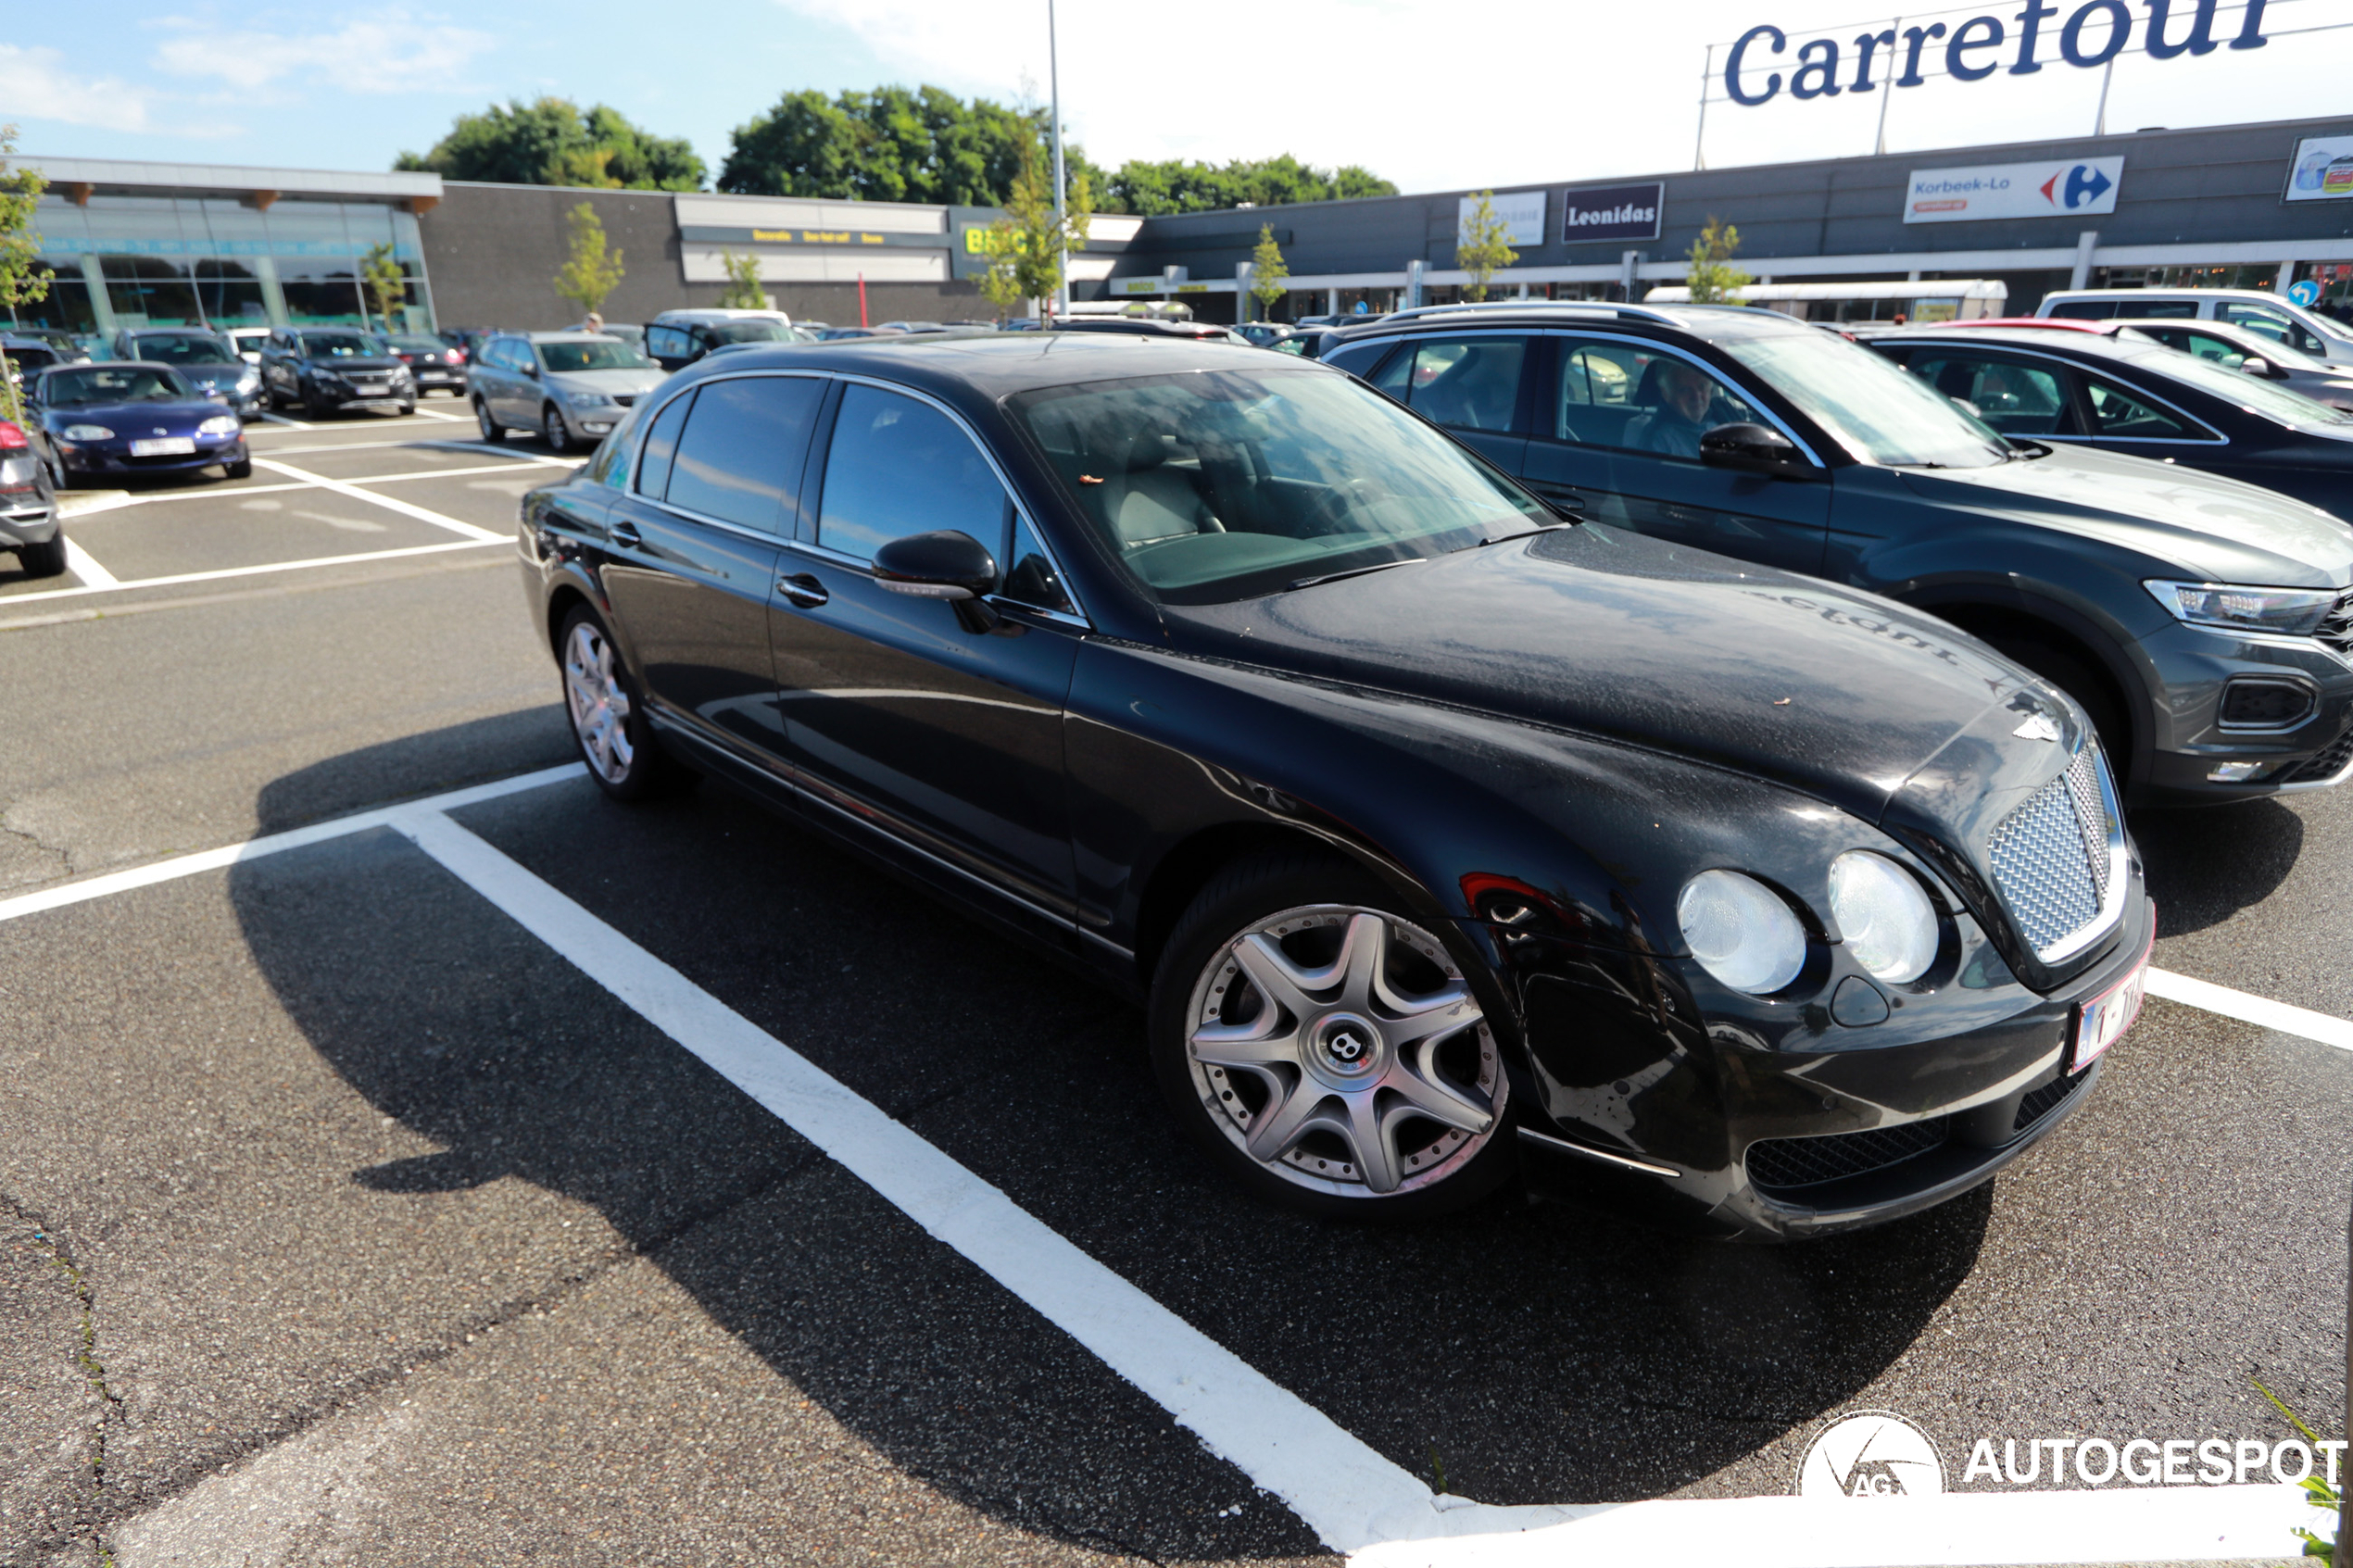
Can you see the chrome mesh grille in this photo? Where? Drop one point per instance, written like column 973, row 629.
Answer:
column 2050, row 856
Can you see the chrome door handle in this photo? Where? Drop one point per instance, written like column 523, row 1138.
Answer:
column 625, row 534
column 803, row 589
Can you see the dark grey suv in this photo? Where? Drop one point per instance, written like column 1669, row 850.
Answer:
column 2206, row 624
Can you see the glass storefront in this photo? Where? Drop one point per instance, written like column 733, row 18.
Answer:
column 134, row 261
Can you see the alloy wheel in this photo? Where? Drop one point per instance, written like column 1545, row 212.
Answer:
column 558, row 435
column 600, row 707
column 1339, row 1048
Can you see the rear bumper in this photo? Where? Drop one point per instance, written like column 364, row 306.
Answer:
column 26, row 520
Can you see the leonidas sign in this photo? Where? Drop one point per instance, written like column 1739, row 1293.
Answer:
column 2089, row 35
column 1612, row 212
column 2075, row 188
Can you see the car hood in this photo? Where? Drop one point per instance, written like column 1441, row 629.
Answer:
column 1841, row 695
column 610, row 382
column 138, row 421
column 2217, row 529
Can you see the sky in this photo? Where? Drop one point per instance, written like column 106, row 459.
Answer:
column 1433, row 96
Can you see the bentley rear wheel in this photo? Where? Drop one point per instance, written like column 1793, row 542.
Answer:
column 1326, row 1049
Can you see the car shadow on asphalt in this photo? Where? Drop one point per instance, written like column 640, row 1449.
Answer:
column 1538, row 1351
column 452, row 758
column 2205, row 865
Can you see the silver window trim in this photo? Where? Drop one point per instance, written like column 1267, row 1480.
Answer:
column 2184, row 415
column 1697, row 363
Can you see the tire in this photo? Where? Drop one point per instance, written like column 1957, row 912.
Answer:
column 557, row 433
column 2075, row 675
column 314, row 408
column 59, row 480
column 44, row 560
column 409, row 408
column 493, row 433
column 1299, row 1018
column 608, row 721
column 243, row 469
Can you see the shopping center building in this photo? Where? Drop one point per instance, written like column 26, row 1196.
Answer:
column 2264, row 206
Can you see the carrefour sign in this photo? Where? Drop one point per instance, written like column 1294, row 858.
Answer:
column 1762, row 64
column 2070, row 188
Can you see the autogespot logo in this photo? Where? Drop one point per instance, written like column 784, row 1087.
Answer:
column 1871, row 1454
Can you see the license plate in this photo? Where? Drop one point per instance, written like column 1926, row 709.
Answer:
column 168, row 446
column 374, row 391
column 2101, row 1021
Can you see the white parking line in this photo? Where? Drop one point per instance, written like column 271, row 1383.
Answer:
column 179, row 866
column 345, row 488
column 2250, row 1009
column 92, row 575
column 9, row 600
column 278, row 418
column 218, row 492
column 421, row 411
column 1355, row 1500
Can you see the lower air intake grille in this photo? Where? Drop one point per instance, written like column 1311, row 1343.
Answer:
column 2041, row 1102
column 2329, row 763
column 2050, row 856
column 1800, row 1162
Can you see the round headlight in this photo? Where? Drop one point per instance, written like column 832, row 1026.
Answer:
column 1742, row 931
column 1887, row 922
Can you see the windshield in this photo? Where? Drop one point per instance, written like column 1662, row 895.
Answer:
column 183, row 348
column 342, row 346
column 1878, row 411
column 1210, row 487
column 601, row 354
column 85, row 384
column 2251, row 393
column 746, row 331
column 416, row 345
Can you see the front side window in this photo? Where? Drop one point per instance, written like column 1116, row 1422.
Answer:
column 665, row 341
column 2121, row 416
column 898, row 466
column 2277, row 325
column 2016, row 399
column 1472, row 382
column 1212, row 487
column 1030, row 577
column 740, row 456
column 1638, row 399
column 2154, row 309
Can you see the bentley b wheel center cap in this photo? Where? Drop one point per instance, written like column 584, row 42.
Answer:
column 1346, row 1047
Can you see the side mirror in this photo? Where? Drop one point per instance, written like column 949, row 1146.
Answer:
column 2256, row 365
column 531, row 369
column 946, row 564
column 1753, row 447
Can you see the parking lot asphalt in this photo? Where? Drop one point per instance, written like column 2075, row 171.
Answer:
column 341, row 1220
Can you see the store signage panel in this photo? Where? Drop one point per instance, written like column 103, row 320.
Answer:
column 2321, row 170
column 2068, row 188
column 1522, row 212
column 1612, row 212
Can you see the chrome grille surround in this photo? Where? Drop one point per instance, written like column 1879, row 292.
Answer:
column 2059, row 860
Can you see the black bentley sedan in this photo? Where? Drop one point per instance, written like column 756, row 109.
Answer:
column 1443, row 840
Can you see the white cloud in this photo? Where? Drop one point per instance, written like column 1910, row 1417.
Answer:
column 396, row 55
column 39, row 90
column 1517, row 91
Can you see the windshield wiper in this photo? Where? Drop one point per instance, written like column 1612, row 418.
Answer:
column 1359, row 571
column 1527, row 533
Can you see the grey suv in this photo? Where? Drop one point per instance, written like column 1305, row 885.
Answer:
column 571, row 387
column 2206, row 624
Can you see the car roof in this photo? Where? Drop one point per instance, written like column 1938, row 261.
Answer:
column 1711, row 321
column 2086, row 345
column 995, row 365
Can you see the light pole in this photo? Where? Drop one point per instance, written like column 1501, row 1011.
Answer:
column 1062, row 199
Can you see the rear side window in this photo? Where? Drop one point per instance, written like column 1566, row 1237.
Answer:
column 2083, row 310
column 2015, row 399
column 898, row 468
column 1472, row 382
column 2151, row 309
column 740, row 457
column 661, row 445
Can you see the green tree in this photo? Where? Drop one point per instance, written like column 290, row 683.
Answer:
column 1270, row 274
column 1024, row 247
column 1484, row 246
column 382, row 271
column 593, row 270
column 24, row 281
column 549, row 142
column 893, row 144
column 1713, row 278
column 1155, row 190
column 743, row 282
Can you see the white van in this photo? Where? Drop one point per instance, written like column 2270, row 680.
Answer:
column 2270, row 314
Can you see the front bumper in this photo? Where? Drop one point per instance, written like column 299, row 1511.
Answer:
column 114, row 459
column 2190, row 667
column 591, row 425
column 1705, row 1131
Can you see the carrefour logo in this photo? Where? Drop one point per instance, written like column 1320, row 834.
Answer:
column 1760, row 62
column 2084, row 185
